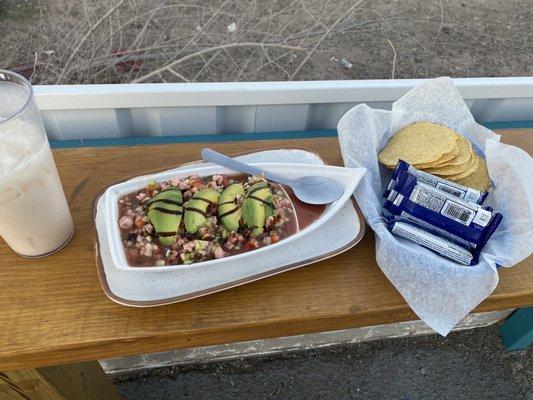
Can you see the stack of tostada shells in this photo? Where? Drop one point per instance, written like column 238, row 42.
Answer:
column 437, row 150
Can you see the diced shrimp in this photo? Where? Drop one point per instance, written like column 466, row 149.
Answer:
column 175, row 182
column 148, row 228
column 219, row 252
column 269, row 221
column 140, row 196
column 147, row 250
column 125, row 222
column 256, row 178
column 188, row 247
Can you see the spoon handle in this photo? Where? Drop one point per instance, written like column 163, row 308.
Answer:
column 228, row 162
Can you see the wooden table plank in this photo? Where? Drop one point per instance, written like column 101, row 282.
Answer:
column 81, row 381
column 54, row 312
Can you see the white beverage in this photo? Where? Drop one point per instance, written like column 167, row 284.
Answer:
column 34, row 216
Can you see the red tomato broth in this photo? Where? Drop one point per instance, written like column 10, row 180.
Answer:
column 306, row 213
column 138, row 237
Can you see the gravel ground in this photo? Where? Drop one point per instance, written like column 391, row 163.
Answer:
column 466, row 365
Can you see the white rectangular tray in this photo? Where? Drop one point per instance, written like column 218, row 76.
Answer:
column 143, row 287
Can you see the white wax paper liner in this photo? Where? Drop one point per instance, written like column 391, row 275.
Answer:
column 441, row 292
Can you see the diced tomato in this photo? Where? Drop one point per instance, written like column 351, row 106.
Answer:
column 198, row 184
column 252, row 244
column 139, row 222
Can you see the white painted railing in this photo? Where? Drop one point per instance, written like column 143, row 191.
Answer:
column 111, row 111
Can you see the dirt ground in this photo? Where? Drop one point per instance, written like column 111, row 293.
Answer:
column 96, row 41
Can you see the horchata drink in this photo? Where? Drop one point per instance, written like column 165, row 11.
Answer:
column 35, row 220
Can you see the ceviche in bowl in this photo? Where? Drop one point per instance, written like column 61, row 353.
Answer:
column 192, row 219
column 188, row 218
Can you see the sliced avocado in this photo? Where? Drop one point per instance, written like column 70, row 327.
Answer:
column 164, row 212
column 196, row 207
column 269, row 207
column 254, row 208
column 228, row 210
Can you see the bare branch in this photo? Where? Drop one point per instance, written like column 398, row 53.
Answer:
column 215, row 14
column 393, row 59
column 326, row 34
column 212, row 49
column 178, row 75
column 441, row 17
column 87, row 35
column 150, row 12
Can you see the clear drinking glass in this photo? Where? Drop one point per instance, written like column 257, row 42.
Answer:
column 35, row 220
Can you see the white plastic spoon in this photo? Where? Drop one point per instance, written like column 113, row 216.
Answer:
column 309, row 189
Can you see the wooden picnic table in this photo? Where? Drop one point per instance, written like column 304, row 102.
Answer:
column 53, row 311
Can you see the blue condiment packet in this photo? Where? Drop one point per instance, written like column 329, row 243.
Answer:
column 439, row 245
column 453, row 188
column 463, row 222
